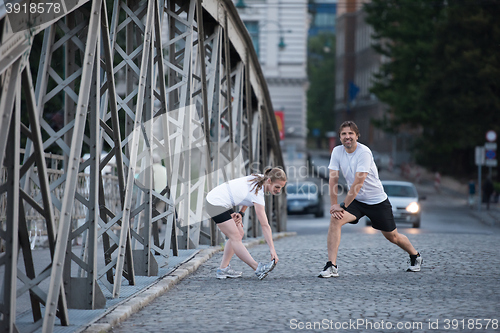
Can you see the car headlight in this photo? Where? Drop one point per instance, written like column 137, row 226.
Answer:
column 413, row 208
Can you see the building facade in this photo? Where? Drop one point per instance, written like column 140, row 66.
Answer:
column 323, row 14
column 356, row 63
column 279, row 33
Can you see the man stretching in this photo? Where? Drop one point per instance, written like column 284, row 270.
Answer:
column 366, row 197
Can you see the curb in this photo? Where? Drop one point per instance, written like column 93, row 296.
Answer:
column 136, row 302
column 491, row 219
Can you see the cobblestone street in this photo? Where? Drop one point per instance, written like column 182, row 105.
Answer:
column 458, row 282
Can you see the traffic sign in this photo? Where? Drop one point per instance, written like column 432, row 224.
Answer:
column 490, row 154
column 491, row 162
column 491, row 136
column 490, row 146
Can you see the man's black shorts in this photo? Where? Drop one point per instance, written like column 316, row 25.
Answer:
column 380, row 214
column 217, row 213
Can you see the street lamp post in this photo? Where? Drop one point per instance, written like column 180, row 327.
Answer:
column 241, row 4
column 281, row 44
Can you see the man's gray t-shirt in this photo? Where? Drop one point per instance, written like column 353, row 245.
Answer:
column 361, row 160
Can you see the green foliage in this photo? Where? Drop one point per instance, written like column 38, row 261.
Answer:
column 404, row 33
column 442, row 77
column 462, row 94
column 321, row 74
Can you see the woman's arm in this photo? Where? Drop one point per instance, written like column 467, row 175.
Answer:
column 266, row 230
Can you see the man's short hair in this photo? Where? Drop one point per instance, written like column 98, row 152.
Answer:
column 350, row 124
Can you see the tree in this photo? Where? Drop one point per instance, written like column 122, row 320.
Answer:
column 462, row 95
column 442, row 76
column 405, row 34
column 321, row 74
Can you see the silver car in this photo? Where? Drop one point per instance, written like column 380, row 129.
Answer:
column 405, row 202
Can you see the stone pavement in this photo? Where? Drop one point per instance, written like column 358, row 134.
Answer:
column 457, row 289
column 458, row 283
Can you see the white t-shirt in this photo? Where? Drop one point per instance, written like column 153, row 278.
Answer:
column 236, row 192
column 361, row 160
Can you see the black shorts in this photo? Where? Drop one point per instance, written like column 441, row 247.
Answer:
column 218, row 213
column 380, row 214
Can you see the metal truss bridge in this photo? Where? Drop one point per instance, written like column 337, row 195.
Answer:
column 116, row 118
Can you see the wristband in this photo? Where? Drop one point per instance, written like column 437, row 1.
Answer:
column 342, row 205
column 241, row 213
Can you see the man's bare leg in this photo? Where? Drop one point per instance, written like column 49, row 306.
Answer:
column 400, row 240
column 334, row 232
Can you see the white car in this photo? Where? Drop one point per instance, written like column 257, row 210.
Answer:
column 405, row 202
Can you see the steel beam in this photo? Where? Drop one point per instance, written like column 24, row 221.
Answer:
column 134, row 146
column 72, row 167
column 11, row 188
column 8, row 81
column 175, row 80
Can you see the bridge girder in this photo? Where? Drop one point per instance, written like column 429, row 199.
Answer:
column 167, row 100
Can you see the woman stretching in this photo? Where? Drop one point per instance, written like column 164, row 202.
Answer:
column 246, row 192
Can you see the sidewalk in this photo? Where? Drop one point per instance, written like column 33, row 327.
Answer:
column 117, row 313
column 458, row 283
column 374, row 293
column 81, row 318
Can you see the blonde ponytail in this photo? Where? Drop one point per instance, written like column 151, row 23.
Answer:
column 271, row 173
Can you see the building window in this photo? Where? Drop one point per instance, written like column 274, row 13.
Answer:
column 323, row 20
column 253, row 30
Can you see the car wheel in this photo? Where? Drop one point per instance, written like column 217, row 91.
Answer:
column 416, row 224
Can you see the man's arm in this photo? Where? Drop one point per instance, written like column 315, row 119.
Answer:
column 333, row 183
column 359, row 180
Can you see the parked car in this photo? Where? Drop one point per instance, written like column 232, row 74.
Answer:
column 304, row 198
column 405, row 202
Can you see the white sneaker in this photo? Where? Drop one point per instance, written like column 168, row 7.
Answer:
column 228, row 272
column 329, row 271
column 264, row 269
column 414, row 264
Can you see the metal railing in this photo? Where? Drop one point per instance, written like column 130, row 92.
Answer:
column 172, row 91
